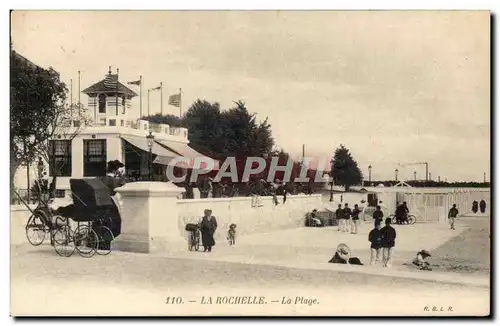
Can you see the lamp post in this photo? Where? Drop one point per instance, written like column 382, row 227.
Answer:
column 396, row 174
column 150, row 138
column 370, row 174
column 414, row 175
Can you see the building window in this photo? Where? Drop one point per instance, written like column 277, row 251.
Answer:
column 102, row 103
column 122, row 123
column 112, row 122
column 60, row 158
column 94, row 158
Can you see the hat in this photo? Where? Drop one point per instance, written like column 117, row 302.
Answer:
column 343, row 251
column 424, row 253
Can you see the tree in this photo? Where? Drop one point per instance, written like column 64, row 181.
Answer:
column 169, row 119
column 345, row 170
column 38, row 113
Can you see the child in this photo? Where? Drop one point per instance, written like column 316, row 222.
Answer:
column 375, row 238
column 421, row 262
column 231, row 234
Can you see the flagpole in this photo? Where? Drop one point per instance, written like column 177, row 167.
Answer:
column 117, row 72
column 71, row 101
column 149, row 91
column 161, row 98
column 79, row 113
column 180, row 103
column 140, row 96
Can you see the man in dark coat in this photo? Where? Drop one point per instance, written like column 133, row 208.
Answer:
column 474, row 206
column 208, row 225
column 375, row 239
column 452, row 215
column 388, row 242
column 482, row 206
column 347, row 217
column 339, row 214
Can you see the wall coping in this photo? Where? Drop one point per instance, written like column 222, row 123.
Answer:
column 149, row 189
column 234, row 199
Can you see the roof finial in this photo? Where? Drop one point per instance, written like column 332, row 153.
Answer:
column 109, row 71
column 117, row 71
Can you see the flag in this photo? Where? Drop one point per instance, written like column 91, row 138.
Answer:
column 135, row 82
column 156, row 88
column 111, row 81
column 175, row 100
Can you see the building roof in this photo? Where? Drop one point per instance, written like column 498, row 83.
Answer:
column 100, row 88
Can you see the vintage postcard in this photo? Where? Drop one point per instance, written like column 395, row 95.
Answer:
column 250, row 163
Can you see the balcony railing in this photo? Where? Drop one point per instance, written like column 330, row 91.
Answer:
column 141, row 125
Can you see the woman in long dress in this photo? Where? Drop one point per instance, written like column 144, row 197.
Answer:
column 208, row 225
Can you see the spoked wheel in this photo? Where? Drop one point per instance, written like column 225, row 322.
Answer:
column 412, row 219
column 36, row 230
column 86, row 241
column 104, row 241
column 197, row 241
column 63, row 242
column 394, row 220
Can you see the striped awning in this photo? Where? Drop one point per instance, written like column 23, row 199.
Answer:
column 162, row 153
column 183, row 149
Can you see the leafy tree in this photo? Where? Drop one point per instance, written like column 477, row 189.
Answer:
column 38, row 113
column 169, row 119
column 345, row 169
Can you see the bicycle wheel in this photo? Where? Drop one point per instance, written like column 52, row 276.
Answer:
column 86, row 241
column 35, row 230
column 104, row 241
column 64, row 243
column 393, row 218
column 197, row 241
column 412, row 219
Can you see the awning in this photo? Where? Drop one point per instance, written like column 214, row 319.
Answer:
column 183, row 149
column 142, row 143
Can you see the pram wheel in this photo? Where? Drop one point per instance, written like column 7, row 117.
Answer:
column 104, row 243
column 86, row 241
column 63, row 241
column 36, row 229
column 194, row 241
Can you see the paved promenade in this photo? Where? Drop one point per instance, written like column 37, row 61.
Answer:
column 289, row 263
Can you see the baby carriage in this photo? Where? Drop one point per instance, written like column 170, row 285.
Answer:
column 97, row 220
column 194, row 236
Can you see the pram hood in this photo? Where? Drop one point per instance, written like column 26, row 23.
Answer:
column 90, row 193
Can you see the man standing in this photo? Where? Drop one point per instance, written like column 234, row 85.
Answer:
column 339, row 214
column 347, row 217
column 452, row 215
column 355, row 219
column 388, row 242
column 378, row 215
column 375, row 238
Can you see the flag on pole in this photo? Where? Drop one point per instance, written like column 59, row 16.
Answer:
column 156, row 88
column 175, row 100
column 135, row 82
column 111, row 81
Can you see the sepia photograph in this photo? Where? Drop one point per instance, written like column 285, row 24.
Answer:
column 273, row 163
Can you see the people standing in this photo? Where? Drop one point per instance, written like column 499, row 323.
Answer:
column 375, row 238
column 452, row 215
column 388, row 242
column 378, row 215
column 355, row 219
column 474, row 206
column 347, row 217
column 482, row 206
column 208, row 225
column 339, row 214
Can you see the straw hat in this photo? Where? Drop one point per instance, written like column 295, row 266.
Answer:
column 343, row 251
column 424, row 253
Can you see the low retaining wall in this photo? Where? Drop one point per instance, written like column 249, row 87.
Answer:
column 265, row 217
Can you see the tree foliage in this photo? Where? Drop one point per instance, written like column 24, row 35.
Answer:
column 345, row 170
column 38, row 113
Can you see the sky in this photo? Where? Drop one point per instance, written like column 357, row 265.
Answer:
column 395, row 87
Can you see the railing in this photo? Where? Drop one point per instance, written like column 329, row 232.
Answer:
column 155, row 127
